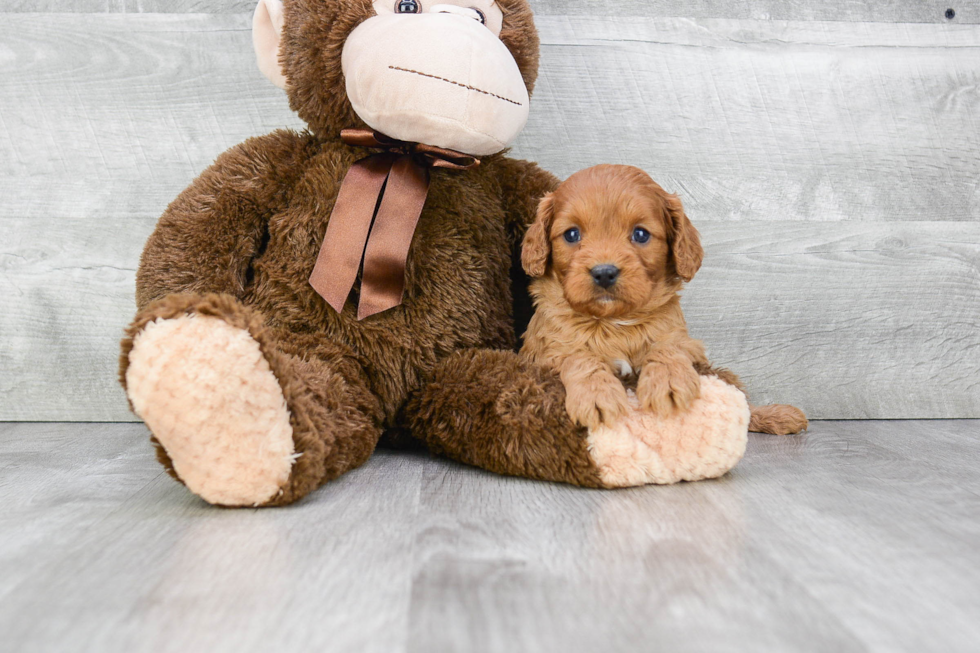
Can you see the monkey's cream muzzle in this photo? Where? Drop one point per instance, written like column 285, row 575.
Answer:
column 436, row 78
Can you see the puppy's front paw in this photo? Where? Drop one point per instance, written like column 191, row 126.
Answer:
column 595, row 405
column 685, row 387
column 665, row 388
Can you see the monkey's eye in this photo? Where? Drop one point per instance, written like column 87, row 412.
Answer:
column 408, row 7
column 483, row 16
column 572, row 236
column 641, row 236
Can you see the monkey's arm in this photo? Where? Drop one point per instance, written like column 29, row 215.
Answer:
column 207, row 238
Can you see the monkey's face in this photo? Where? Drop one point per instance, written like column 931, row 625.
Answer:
column 436, row 74
column 449, row 73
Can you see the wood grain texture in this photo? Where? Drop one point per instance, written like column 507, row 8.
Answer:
column 832, row 167
column 130, row 6
column 68, row 289
column 857, row 536
column 112, row 116
column 854, row 320
column 885, row 11
column 140, row 564
column 747, row 119
column 753, row 120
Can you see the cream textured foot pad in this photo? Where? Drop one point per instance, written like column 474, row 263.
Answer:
column 704, row 442
column 208, row 395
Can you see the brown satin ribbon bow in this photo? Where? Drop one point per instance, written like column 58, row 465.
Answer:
column 387, row 189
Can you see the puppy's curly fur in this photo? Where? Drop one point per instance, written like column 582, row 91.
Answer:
column 610, row 250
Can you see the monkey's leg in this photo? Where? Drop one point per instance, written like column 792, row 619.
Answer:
column 494, row 410
column 235, row 418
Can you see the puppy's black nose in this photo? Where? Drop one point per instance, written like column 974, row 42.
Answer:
column 605, row 275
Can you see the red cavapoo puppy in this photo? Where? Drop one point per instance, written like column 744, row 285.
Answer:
column 610, row 250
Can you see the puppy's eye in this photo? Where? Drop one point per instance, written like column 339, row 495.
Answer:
column 572, row 236
column 407, row 7
column 641, row 236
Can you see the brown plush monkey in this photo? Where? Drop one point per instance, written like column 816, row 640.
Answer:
column 256, row 389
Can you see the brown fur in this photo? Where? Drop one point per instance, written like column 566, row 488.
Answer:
column 240, row 242
column 313, row 39
column 457, row 278
column 495, row 410
column 333, row 413
column 581, row 329
column 778, row 419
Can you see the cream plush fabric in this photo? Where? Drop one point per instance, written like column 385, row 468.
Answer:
column 704, row 442
column 474, row 101
column 440, row 77
column 206, row 391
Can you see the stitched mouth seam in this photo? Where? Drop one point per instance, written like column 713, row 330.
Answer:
column 449, row 81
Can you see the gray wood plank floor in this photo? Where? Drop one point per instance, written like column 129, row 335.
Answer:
column 858, row 536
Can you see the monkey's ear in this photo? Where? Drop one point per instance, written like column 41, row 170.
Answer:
column 537, row 240
column 685, row 242
column 266, row 30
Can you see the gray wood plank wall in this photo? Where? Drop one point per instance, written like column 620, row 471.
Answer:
column 886, row 11
column 829, row 152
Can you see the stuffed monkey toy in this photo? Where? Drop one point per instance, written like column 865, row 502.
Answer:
column 310, row 292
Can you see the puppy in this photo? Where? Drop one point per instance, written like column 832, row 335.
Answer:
column 610, row 249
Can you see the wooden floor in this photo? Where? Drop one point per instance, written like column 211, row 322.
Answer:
column 859, row 536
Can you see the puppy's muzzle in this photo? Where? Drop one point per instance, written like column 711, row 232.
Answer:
column 605, row 275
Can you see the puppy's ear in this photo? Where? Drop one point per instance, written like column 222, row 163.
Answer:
column 685, row 242
column 537, row 240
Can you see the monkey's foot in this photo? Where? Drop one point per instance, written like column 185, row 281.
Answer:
column 207, row 393
column 703, row 442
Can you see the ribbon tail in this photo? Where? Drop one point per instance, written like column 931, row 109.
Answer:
column 343, row 245
column 383, row 281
